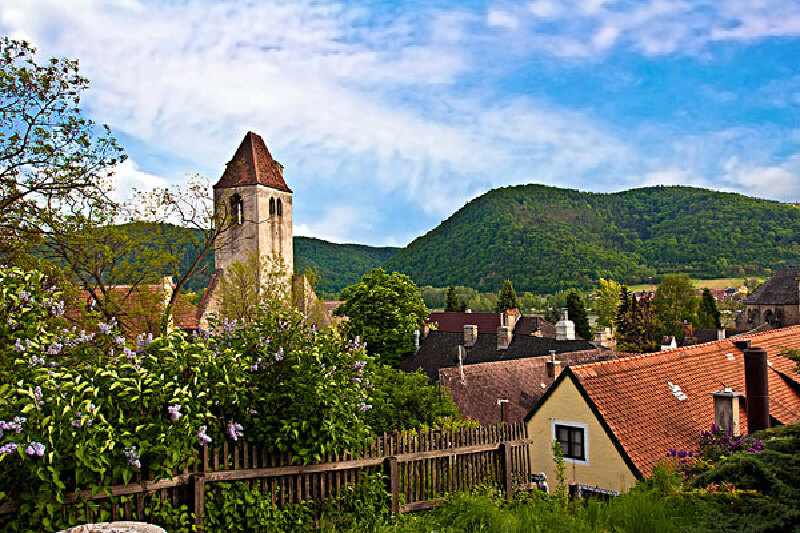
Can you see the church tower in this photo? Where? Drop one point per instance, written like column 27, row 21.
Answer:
column 253, row 198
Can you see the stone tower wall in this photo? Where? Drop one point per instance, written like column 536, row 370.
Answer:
column 269, row 235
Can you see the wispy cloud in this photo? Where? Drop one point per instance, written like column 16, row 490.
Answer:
column 590, row 28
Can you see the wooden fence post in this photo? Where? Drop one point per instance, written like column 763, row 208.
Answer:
column 197, row 504
column 506, row 478
column 392, row 473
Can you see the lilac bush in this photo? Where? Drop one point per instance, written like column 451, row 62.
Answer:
column 715, row 444
column 81, row 408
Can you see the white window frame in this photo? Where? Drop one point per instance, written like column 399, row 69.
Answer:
column 584, row 427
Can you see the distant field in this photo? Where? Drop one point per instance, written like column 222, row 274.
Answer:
column 721, row 283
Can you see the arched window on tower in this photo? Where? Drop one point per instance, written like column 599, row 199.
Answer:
column 272, row 206
column 237, row 209
column 280, row 208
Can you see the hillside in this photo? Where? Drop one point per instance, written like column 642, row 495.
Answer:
column 338, row 265
column 546, row 239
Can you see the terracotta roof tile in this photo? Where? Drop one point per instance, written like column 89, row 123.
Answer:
column 253, row 164
column 634, row 397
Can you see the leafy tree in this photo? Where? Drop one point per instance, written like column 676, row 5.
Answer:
column 506, row 298
column 529, row 301
column 451, row 303
column 404, row 401
column 384, row 310
column 553, row 306
column 607, row 303
column 53, row 163
column 247, row 283
column 674, row 302
column 708, row 316
column 635, row 331
column 577, row 313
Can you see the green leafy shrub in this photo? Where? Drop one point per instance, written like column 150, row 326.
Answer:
column 90, row 409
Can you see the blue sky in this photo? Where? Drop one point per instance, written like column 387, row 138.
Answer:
column 389, row 116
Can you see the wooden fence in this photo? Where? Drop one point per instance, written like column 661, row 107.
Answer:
column 420, row 469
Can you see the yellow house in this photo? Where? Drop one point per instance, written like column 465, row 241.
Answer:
column 593, row 455
column 617, row 419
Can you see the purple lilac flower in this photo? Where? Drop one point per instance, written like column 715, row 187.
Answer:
column 251, row 411
column 9, row 447
column 24, row 296
column 35, row 448
column 38, row 395
column 359, row 365
column 57, row 309
column 279, row 355
column 235, row 431
column 54, row 348
column 18, row 347
column 201, row 435
column 174, row 412
column 119, row 339
column 356, row 379
column 105, row 329
column 365, row 406
column 133, row 457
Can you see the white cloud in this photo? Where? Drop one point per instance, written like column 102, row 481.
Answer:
column 589, row 28
column 502, row 19
column 339, row 223
column 127, row 177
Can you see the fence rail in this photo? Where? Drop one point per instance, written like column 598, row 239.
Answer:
column 419, row 468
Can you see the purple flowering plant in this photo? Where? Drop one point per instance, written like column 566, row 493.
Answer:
column 112, row 406
column 716, row 444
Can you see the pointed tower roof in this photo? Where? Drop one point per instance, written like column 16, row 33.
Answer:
column 253, row 164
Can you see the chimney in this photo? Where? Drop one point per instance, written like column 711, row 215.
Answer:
column 688, row 331
column 756, row 389
column 726, row 409
column 742, row 344
column 720, row 334
column 461, row 355
column 553, row 366
column 503, row 409
column 416, row 339
column 565, row 328
column 470, row 335
column 503, row 337
column 602, row 337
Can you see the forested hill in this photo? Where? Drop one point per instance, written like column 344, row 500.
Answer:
column 338, row 265
column 546, row 239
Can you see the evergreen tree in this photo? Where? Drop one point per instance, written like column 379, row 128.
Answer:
column 506, row 298
column 577, row 313
column 708, row 316
column 451, row 303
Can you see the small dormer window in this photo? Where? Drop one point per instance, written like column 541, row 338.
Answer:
column 280, row 208
column 272, row 206
column 237, row 209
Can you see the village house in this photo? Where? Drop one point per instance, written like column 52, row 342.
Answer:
column 775, row 304
column 616, row 419
column 505, row 391
column 486, row 337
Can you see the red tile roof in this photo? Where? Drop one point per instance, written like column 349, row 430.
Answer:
column 636, row 404
column 521, row 381
column 253, row 164
column 137, row 304
column 455, row 322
